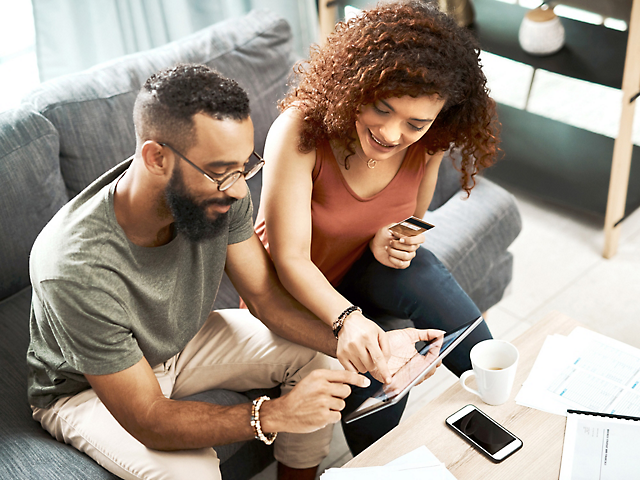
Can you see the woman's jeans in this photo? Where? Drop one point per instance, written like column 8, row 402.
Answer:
column 426, row 293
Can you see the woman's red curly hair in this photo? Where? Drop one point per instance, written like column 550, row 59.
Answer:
column 393, row 50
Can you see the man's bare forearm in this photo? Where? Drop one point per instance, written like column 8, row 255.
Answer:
column 254, row 276
column 182, row 425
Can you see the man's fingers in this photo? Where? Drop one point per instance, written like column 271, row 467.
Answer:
column 340, row 390
column 344, row 376
column 334, row 403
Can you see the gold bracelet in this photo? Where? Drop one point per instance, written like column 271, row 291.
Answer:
column 268, row 438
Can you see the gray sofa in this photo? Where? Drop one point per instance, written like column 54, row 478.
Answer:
column 70, row 130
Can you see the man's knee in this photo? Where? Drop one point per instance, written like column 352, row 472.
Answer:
column 316, row 361
column 325, row 362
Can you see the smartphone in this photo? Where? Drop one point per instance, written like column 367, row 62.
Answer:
column 484, row 433
column 410, row 227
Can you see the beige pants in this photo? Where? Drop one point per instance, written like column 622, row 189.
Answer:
column 234, row 351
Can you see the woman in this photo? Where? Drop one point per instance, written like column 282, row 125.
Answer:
column 357, row 148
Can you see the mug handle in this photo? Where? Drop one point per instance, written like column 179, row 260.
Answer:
column 463, row 379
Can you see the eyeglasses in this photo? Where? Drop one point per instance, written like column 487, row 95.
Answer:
column 227, row 182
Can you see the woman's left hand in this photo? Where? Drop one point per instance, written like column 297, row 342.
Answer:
column 394, row 250
column 404, row 354
column 402, row 344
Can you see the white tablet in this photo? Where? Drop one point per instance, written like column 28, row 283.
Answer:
column 419, row 366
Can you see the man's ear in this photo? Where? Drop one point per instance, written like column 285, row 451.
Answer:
column 155, row 161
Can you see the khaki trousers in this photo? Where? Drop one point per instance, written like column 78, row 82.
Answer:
column 233, row 351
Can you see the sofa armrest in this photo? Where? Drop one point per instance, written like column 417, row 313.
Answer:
column 472, row 234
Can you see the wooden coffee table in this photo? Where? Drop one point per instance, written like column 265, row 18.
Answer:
column 542, row 434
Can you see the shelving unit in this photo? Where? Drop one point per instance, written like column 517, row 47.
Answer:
column 555, row 161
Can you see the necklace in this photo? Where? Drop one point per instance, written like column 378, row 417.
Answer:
column 371, row 163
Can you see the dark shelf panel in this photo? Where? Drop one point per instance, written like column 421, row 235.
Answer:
column 559, row 163
column 591, row 52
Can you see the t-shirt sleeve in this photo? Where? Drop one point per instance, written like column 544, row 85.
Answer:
column 241, row 223
column 89, row 327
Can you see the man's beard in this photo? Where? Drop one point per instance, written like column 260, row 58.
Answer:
column 190, row 217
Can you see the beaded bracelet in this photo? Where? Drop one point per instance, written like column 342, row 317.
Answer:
column 337, row 325
column 268, row 438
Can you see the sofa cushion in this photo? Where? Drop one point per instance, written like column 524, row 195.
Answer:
column 92, row 110
column 448, row 180
column 472, row 235
column 31, row 190
column 26, row 450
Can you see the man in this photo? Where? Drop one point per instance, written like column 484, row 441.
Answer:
column 124, row 278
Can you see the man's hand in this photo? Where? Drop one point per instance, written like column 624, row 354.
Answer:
column 393, row 250
column 363, row 347
column 312, row 404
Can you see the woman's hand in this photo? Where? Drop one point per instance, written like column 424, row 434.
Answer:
column 363, row 347
column 393, row 250
column 404, row 354
column 403, row 345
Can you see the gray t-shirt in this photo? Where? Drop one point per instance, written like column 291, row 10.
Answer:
column 100, row 303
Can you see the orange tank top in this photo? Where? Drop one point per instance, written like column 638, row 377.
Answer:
column 343, row 223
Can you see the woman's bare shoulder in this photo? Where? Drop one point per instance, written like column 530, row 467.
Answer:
column 283, row 138
column 290, row 119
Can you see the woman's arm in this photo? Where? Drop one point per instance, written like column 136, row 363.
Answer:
column 286, row 204
column 428, row 184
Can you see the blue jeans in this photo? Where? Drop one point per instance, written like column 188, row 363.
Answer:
column 426, row 293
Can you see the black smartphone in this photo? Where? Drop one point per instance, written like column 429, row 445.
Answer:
column 484, row 433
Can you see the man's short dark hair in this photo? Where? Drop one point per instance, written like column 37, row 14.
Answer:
column 169, row 99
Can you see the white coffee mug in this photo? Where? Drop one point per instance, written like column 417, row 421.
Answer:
column 494, row 365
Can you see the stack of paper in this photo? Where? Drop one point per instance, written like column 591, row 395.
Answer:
column 600, row 447
column 420, row 464
column 584, row 371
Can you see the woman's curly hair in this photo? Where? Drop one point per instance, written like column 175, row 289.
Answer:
column 393, row 50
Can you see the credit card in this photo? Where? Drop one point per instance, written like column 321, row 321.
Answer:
column 410, row 227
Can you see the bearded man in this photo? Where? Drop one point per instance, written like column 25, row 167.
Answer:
column 124, row 279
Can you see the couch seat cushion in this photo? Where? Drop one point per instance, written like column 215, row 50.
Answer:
column 26, row 450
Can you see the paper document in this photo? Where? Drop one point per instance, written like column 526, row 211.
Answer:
column 600, row 448
column 584, row 371
column 419, row 464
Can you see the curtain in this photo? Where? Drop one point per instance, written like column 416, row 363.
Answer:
column 72, row 35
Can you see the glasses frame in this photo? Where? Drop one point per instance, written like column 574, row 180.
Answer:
column 234, row 176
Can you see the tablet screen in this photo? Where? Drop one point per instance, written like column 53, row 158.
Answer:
column 413, row 370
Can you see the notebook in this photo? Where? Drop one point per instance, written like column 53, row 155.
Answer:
column 600, row 446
